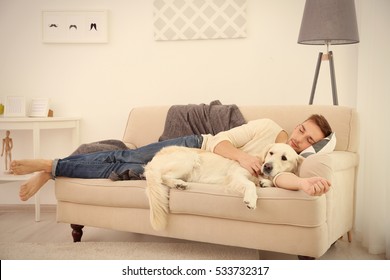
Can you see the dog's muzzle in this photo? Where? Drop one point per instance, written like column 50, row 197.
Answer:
column 267, row 168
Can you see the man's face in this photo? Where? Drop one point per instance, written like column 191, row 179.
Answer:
column 305, row 135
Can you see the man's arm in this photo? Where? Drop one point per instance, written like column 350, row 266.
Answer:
column 249, row 162
column 226, row 149
column 311, row 186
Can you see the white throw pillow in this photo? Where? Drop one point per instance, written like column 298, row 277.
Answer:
column 323, row 146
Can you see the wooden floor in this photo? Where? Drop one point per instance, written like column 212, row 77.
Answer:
column 18, row 225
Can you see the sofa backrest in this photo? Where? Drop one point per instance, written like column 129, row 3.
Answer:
column 146, row 124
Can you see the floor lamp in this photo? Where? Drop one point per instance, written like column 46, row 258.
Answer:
column 328, row 22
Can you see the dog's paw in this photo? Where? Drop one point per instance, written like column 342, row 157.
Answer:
column 265, row 183
column 250, row 202
column 181, row 186
column 250, row 197
column 250, row 205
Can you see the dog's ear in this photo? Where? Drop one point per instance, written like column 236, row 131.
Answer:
column 265, row 152
column 300, row 160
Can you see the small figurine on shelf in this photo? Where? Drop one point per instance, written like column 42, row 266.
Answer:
column 7, row 148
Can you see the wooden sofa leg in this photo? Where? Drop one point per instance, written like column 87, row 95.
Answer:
column 300, row 257
column 349, row 235
column 77, row 232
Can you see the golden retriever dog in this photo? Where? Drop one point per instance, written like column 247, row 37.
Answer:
column 174, row 166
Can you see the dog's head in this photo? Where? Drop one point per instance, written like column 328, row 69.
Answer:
column 279, row 158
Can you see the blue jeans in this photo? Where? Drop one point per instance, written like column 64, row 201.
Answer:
column 102, row 164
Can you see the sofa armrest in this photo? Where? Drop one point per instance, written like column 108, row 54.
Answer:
column 325, row 165
column 339, row 167
column 131, row 146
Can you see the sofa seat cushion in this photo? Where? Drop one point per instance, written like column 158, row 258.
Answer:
column 102, row 192
column 274, row 205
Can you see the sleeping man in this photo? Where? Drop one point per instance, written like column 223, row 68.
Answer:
column 240, row 144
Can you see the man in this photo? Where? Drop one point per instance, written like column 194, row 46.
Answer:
column 239, row 144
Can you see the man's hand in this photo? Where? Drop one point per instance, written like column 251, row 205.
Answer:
column 250, row 163
column 314, row 185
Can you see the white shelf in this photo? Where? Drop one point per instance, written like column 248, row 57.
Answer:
column 36, row 125
column 6, row 178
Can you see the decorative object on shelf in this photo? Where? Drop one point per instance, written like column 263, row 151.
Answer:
column 74, row 26
column 15, row 106
column 1, row 107
column 6, row 150
column 40, row 107
column 202, row 19
column 327, row 22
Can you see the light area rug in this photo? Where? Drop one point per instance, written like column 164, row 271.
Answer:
column 122, row 251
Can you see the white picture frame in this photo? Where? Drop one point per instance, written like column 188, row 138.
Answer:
column 39, row 107
column 75, row 26
column 15, row 106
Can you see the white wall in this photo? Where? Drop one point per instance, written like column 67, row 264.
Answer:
column 372, row 224
column 101, row 82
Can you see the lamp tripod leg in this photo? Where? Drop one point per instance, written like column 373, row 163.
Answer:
column 333, row 79
column 313, row 88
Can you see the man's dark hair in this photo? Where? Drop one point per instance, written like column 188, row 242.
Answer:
column 321, row 122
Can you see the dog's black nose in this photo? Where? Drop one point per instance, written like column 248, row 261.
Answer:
column 267, row 168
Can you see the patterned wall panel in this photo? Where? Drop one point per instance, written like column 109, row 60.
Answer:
column 199, row 19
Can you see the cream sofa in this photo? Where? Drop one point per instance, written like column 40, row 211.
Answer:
column 284, row 221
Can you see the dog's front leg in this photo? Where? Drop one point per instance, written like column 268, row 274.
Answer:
column 241, row 181
column 266, row 183
column 250, row 196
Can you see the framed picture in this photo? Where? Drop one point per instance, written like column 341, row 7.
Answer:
column 74, row 27
column 39, row 107
column 15, row 106
column 199, row 20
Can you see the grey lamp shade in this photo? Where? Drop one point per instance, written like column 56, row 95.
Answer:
column 329, row 22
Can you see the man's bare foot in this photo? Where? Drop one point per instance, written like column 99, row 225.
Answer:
column 33, row 185
column 27, row 166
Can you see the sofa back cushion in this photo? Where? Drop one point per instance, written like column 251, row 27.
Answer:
column 146, row 124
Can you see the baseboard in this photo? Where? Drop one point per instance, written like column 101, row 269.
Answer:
column 48, row 208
